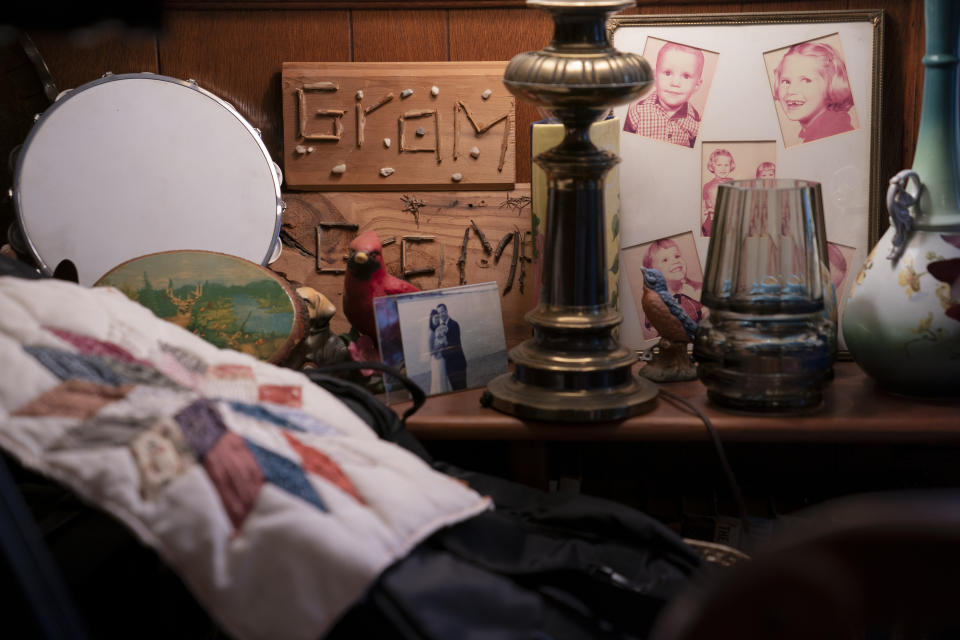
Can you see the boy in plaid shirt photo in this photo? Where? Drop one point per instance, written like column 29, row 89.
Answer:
column 666, row 113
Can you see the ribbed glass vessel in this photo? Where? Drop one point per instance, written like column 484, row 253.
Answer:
column 768, row 341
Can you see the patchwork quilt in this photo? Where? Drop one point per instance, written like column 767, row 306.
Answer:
column 274, row 502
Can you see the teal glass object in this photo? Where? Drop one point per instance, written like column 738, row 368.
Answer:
column 902, row 320
column 769, row 339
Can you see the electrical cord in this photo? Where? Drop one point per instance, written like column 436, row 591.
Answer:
column 416, row 393
column 721, row 454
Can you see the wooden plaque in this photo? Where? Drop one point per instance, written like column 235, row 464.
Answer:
column 384, row 126
column 423, row 233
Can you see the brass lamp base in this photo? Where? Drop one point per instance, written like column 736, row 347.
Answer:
column 507, row 394
column 573, row 369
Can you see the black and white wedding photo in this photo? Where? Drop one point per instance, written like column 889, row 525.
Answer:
column 450, row 339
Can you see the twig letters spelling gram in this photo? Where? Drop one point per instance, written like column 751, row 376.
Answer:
column 396, row 126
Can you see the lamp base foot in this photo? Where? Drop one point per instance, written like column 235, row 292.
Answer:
column 507, row 394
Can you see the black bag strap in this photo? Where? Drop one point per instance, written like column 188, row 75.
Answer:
column 418, row 395
column 29, row 557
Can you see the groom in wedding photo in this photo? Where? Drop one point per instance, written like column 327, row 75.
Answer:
column 453, row 353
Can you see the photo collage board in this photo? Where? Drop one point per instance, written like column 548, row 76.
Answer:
column 743, row 97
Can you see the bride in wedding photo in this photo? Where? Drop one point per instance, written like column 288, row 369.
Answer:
column 437, row 340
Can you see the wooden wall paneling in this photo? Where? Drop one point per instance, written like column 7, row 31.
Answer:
column 497, row 34
column 667, row 8
column 237, row 55
column 500, row 34
column 902, row 83
column 793, row 5
column 77, row 57
column 343, row 4
column 400, row 36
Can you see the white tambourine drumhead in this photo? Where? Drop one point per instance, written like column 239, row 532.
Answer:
column 134, row 164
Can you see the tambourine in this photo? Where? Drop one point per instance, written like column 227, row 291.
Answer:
column 135, row 164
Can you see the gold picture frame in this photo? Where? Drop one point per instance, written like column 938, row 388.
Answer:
column 734, row 98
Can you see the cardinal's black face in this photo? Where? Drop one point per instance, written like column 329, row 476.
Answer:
column 363, row 264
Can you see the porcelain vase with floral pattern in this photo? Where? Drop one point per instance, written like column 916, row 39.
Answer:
column 902, row 320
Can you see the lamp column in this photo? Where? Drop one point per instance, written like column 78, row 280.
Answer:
column 573, row 369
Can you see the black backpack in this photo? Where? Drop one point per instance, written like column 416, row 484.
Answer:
column 538, row 565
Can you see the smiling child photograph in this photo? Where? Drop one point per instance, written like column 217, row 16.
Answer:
column 811, row 90
column 673, row 109
column 724, row 161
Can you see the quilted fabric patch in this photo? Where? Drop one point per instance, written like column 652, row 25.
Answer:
column 273, row 501
column 74, row 399
column 235, row 473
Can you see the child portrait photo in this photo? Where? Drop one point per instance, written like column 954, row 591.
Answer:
column 675, row 257
column 780, row 95
column 725, row 161
column 811, row 90
column 673, row 110
column 446, row 339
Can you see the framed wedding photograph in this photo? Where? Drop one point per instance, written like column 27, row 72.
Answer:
column 445, row 339
column 736, row 96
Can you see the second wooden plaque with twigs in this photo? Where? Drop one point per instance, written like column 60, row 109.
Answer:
column 384, row 126
column 431, row 239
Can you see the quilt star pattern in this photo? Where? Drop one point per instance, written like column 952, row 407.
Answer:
column 274, row 502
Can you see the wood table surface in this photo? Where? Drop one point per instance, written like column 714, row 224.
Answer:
column 854, row 410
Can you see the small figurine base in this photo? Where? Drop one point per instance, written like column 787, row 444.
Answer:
column 671, row 364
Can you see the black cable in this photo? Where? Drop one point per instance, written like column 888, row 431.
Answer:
column 416, row 393
column 721, row 454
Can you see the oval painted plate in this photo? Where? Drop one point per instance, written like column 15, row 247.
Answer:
column 228, row 301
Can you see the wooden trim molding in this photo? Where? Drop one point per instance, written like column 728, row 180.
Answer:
column 390, row 4
column 340, row 4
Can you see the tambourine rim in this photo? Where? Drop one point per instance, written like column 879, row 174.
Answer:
column 70, row 93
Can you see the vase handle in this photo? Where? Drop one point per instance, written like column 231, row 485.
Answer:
column 899, row 202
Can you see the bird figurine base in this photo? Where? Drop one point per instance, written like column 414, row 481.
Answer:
column 331, row 352
column 671, row 363
column 321, row 346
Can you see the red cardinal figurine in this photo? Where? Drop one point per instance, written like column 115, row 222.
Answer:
column 367, row 278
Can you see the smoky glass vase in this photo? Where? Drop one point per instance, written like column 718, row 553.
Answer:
column 768, row 341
